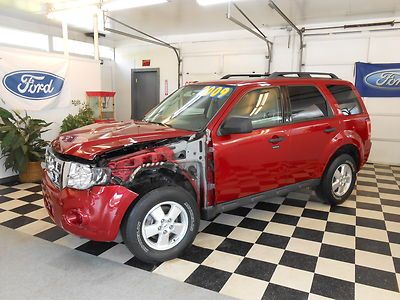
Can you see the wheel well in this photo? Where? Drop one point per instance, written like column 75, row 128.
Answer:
column 151, row 179
column 346, row 149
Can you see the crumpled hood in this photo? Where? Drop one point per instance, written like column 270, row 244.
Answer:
column 89, row 141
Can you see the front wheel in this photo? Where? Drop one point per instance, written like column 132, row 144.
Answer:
column 338, row 181
column 162, row 225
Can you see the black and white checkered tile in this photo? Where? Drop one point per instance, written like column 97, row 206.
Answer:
column 287, row 248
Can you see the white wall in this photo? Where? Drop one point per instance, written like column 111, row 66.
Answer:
column 83, row 75
column 209, row 56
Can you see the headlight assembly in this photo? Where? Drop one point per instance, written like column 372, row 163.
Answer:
column 82, row 176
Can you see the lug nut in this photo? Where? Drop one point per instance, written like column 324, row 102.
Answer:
column 169, row 220
column 159, row 228
column 165, row 232
column 162, row 221
column 171, row 227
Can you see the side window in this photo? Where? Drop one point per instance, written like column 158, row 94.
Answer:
column 346, row 99
column 262, row 106
column 307, row 103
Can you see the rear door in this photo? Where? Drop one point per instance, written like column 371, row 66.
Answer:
column 311, row 130
column 250, row 163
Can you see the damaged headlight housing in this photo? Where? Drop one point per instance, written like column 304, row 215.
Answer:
column 83, row 176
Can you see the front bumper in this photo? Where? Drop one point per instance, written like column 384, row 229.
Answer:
column 95, row 213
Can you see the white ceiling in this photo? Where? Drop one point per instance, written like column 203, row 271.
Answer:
column 186, row 16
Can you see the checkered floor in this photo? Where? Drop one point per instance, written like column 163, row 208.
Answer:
column 292, row 247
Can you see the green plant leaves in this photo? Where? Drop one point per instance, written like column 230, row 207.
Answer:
column 83, row 118
column 20, row 139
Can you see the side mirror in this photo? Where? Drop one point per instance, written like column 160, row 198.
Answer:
column 236, row 124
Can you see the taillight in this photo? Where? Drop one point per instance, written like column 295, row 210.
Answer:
column 368, row 120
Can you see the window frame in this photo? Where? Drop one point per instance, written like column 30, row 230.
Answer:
column 281, row 98
column 289, row 118
column 338, row 104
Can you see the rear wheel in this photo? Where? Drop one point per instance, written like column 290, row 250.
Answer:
column 338, row 181
column 162, row 225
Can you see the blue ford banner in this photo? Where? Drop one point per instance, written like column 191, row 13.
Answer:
column 33, row 85
column 378, row 80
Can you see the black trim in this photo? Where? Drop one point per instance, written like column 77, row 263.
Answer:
column 245, row 75
column 302, row 75
column 208, row 213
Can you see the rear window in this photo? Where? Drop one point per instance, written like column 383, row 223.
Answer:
column 307, row 103
column 346, row 99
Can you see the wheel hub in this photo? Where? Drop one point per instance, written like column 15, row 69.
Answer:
column 342, row 179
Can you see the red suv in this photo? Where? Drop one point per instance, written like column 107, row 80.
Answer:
column 207, row 148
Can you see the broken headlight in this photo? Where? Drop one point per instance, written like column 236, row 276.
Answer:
column 82, row 176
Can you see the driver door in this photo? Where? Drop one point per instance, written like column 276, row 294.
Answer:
column 251, row 163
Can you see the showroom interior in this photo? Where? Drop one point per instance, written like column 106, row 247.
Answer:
column 65, row 64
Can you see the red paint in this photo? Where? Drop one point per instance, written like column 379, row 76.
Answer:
column 92, row 140
column 239, row 165
column 100, row 94
column 100, row 209
column 146, row 63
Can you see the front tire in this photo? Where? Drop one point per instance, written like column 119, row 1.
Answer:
column 338, row 181
column 162, row 225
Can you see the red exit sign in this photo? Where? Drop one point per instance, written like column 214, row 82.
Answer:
column 146, row 63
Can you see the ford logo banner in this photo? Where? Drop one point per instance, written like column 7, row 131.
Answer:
column 33, row 85
column 378, row 80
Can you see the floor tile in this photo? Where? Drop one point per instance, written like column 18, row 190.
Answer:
column 52, row 234
column 256, row 269
column 223, row 261
column 240, row 211
column 315, row 214
column 71, row 241
column 336, row 269
column 235, row 247
column 262, row 215
column 364, row 292
column 374, row 261
column 118, row 253
column 9, row 205
column 196, row 254
column 209, row 241
column 38, row 214
column 310, row 223
column 290, row 210
column 341, row 228
column 244, row 287
column 35, row 227
column 18, row 222
column 377, row 278
column 372, row 223
column 281, row 229
column 332, row 287
column 267, row 206
column 308, row 234
column 177, row 269
column 209, row 278
column 299, row 261
column 395, row 250
column 219, row 229
column 372, row 233
column 95, row 248
column 265, row 253
column 228, row 219
column 292, row 278
column 25, row 209
column 337, row 253
column 7, row 215
column 285, row 219
column 244, row 234
column 273, row 240
column 304, row 246
column 253, row 224
column 373, row 246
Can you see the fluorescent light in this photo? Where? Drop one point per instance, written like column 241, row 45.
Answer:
column 211, row 2
column 125, row 4
column 79, row 17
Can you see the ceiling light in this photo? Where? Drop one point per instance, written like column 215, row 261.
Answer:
column 78, row 17
column 211, row 2
column 126, row 4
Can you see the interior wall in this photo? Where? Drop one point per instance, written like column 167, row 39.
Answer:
column 83, row 74
column 222, row 54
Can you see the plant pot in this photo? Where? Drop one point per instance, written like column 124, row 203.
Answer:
column 33, row 172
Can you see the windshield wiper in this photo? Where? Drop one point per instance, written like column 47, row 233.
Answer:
column 158, row 123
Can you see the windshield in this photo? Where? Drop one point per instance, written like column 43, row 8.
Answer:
column 191, row 107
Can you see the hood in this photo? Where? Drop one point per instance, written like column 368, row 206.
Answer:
column 89, row 141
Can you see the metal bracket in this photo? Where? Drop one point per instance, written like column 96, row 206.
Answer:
column 255, row 30
column 148, row 38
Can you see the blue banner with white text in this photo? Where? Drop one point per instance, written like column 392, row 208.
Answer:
column 378, row 80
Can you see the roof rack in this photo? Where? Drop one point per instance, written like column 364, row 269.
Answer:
column 245, row 75
column 303, row 75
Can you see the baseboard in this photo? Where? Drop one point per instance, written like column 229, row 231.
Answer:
column 9, row 179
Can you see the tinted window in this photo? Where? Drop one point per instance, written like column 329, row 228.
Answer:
column 307, row 103
column 346, row 99
column 262, row 106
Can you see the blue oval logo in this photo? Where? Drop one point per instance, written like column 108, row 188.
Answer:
column 384, row 79
column 33, row 85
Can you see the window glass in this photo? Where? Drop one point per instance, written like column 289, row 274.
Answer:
column 22, row 38
column 262, row 106
column 307, row 103
column 82, row 48
column 346, row 99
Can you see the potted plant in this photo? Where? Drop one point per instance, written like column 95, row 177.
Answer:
column 21, row 144
column 82, row 118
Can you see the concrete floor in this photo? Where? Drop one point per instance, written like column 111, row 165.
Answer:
column 31, row 268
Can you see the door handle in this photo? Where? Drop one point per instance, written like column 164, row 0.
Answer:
column 276, row 139
column 330, row 129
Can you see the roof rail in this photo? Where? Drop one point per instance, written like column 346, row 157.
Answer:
column 302, row 74
column 244, row 75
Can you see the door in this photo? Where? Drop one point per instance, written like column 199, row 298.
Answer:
column 250, row 163
column 312, row 129
column 145, row 91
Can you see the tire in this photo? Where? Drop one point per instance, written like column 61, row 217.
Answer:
column 338, row 193
column 150, row 232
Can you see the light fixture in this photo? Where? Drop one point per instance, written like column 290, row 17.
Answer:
column 126, row 4
column 81, row 17
column 211, row 2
